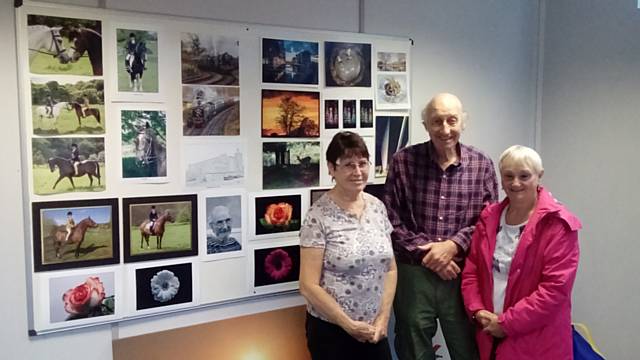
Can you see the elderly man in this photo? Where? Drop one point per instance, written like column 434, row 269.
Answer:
column 220, row 224
column 434, row 194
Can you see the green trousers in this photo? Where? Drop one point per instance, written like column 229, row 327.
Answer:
column 422, row 299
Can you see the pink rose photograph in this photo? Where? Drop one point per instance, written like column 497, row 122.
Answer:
column 277, row 214
column 81, row 296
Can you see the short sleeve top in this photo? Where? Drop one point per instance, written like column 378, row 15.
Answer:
column 357, row 254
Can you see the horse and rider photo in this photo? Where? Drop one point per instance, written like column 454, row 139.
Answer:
column 144, row 144
column 137, row 61
column 160, row 227
column 63, row 165
column 75, row 233
column 59, row 45
column 67, row 106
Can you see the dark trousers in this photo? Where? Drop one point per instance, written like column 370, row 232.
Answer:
column 422, row 300
column 327, row 341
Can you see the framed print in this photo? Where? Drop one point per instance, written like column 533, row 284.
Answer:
column 289, row 62
column 67, row 105
column 160, row 227
column 74, row 234
column 392, row 134
column 294, row 114
column 163, row 287
column 316, row 194
column 276, row 214
column 222, row 223
column 60, row 45
column 290, row 164
column 276, row 268
column 69, row 164
column 347, row 64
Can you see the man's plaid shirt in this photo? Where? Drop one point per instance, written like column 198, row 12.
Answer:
column 428, row 204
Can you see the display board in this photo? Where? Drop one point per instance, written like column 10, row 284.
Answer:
column 169, row 162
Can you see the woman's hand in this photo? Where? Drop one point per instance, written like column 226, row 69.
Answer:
column 381, row 324
column 490, row 324
column 360, row 330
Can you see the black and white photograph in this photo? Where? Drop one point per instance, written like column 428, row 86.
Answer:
column 163, row 286
column 212, row 164
column 224, row 222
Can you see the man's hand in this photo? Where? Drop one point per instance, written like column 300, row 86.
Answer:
column 450, row 271
column 439, row 254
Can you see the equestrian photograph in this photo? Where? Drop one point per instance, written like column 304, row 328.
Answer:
column 71, row 234
column 59, row 45
column 160, row 227
column 137, row 62
column 67, row 106
column 144, row 144
column 62, row 165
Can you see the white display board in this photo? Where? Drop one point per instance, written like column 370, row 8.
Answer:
column 199, row 138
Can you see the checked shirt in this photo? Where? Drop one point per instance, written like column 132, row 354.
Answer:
column 427, row 204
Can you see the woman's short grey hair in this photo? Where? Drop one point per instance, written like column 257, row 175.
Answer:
column 518, row 154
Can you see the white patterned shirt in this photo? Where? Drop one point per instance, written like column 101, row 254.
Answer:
column 357, row 254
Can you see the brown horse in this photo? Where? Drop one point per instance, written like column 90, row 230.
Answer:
column 86, row 113
column 76, row 237
column 146, row 230
column 90, row 168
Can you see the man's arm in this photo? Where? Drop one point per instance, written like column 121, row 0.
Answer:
column 406, row 243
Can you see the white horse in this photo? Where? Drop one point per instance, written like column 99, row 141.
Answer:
column 43, row 113
column 47, row 40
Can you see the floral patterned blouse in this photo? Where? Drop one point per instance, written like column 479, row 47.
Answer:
column 357, row 254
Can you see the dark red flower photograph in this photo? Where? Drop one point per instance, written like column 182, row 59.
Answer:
column 276, row 265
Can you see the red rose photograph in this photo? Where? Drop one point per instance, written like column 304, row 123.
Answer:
column 81, row 296
column 277, row 214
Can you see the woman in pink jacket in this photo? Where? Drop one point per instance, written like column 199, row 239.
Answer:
column 519, row 273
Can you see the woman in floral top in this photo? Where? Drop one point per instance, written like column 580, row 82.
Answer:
column 347, row 271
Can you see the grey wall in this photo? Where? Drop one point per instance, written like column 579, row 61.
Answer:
column 483, row 51
column 589, row 133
